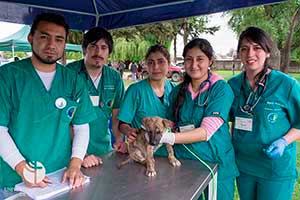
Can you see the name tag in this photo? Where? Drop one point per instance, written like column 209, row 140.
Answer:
column 186, row 128
column 95, row 100
column 244, row 124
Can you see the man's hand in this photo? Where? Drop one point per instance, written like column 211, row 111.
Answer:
column 20, row 168
column 74, row 174
column 120, row 145
column 91, row 161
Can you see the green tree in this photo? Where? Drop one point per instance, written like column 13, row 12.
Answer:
column 161, row 33
column 8, row 54
column 279, row 20
column 192, row 27
column 75, row 37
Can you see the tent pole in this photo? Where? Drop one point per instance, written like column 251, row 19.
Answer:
column 13, row 51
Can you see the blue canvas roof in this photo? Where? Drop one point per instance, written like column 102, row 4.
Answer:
column 84, row 14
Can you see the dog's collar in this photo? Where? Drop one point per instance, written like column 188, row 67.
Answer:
column 168, row 130
column 143, row 127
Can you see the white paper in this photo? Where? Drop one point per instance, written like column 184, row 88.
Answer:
column 53, row 189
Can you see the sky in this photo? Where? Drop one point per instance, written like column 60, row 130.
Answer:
column 8, row 28
column 222, row 41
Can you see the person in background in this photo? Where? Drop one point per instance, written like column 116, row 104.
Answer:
column 121, row 68
column 266, row 123
column 199, row 108
column 39, row 99
column 106, row 90
column 134, row 70
column 148, row 97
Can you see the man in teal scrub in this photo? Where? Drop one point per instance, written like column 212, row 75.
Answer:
column 106, row 90
column 39, row 99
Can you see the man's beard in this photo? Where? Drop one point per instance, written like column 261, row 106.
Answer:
column 45, row 60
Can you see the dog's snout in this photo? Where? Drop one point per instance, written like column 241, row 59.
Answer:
column 154, row 138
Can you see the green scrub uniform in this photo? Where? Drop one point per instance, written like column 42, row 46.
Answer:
column 275, row 114
column 39, row 120
column 110, row 92
column 141, row 101
column 218, row 149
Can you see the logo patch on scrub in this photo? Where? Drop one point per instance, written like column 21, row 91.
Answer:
column 71, row 111
column 272, row 117
column 109, row 103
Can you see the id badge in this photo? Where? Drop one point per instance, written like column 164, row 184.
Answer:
column 186, row 128
column 95, row 100
column 243, row 123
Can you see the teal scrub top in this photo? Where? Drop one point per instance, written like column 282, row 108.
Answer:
column 218, row 149
column 274, row 115
column 111, row 93
column 40, row 130
column 141, row 101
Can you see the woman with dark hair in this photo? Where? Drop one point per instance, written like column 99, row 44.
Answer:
column 200, row 108
column 148, row 97
column 265, row 116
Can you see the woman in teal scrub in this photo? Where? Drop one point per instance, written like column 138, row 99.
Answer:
column 200, row 109
column 148, row 97
column 266, row 123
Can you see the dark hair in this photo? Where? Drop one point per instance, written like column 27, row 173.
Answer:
column 158, row 48
column 52, row 18
column 95, row 34
column 207, row 49
column 257, row 35
column 260, row 37
column 201, row 44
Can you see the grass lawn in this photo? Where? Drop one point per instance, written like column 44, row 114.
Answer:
column 227, row 75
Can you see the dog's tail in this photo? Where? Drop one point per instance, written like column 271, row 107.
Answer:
column 121, row 164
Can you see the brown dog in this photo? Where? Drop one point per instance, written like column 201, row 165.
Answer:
column 142, row 149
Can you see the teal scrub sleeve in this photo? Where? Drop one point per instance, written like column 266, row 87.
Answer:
column 172, row 99
column 5, row 99
column 220, row 101
column 130, row 105
column 85, row 112
column 120, row 91
column 294, row 105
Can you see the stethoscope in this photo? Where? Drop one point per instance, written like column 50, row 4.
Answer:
column 198, row 101
column 207, row 81
column 255, row 96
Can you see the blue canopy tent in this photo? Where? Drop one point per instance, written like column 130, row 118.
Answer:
column 84, row 14
column 18, row 42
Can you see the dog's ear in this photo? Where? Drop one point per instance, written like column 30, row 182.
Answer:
column 145, row 121
column 167, row 123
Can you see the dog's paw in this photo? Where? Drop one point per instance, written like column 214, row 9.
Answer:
column 174, row 162
column 150, row 173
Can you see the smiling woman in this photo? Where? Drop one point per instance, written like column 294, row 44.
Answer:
column 265, row 122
